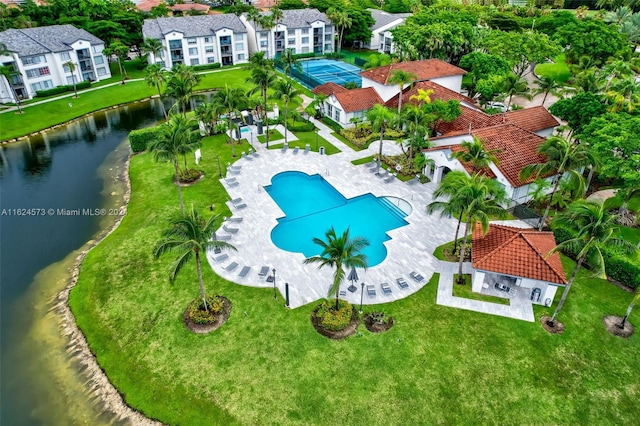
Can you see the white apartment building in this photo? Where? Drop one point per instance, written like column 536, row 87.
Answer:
column 302, row 30
column 381, row 37
column 198, row 40
column 39, row 56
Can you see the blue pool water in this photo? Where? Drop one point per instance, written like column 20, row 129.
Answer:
column 319, row 71
column 312, row 206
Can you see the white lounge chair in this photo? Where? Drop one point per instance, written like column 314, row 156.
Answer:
column 386, row 288
column 230, row 230
column 402, row 283
column 235, row 219
column 245, row 270
column 230, row 267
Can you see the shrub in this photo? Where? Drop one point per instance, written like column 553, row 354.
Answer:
column 188, row 176
column 207, row 66
column 332, row 124
column 199, row 315
column 334, row 320
column 139, row 139
column 62, row 89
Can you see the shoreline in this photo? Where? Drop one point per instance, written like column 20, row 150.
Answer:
column 97, row 384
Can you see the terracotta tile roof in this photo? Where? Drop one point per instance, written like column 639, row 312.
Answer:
column 532, row 119
column 467, row 166
column 190, row 6
column 329, row 89
column 517, row 252
column 439, row 92
column 358, row 99
column 469, row 119
column 426, row 69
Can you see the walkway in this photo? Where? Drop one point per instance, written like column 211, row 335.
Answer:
column 519, row 307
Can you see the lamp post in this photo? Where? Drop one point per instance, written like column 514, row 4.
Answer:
column 274, row 284
column 317, row 130
column 361, row 296
column 219, row 167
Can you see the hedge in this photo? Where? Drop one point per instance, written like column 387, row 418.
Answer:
column 139, row 139
column 618, row 265
column 332, row 124
column 207, row 66
column 62, row 89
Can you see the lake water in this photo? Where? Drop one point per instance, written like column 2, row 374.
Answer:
column 51, row 190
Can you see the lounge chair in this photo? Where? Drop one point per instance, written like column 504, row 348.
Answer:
column 240, row 206
column 255, row 154
column 284, row 147
column 343, row 292
column 386, row 288
column 221, row 257
column 230, row 180
column 416, row 276
column 235, row 219
column 371, row 290
column 235, row 167
column 307, row 148
column 231, row 266
column 223, row 237
column 233, row 184
column 263, row 271
column 402, row 283
column 295, row 150
column 372, row 164
column 230, row 230
column 234, row 171
column 245, row 270
column 270, row 279
column 217, row 250
column 383, row 174
column 390, row 178
column 414, row 180
column 236, row 200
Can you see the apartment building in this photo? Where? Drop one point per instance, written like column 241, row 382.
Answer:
column 381, row 37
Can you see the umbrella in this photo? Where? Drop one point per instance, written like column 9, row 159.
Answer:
column 353, row 275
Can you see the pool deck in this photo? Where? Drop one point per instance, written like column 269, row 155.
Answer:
column 409, row 249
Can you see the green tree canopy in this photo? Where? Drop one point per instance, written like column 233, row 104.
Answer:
column 579, row 110
column 521, row 49
column 592, row 38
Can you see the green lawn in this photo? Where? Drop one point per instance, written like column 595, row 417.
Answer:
column 558, row 69
column 305, row 138
column 274, row 135
column 466, row 292
column 267, row 364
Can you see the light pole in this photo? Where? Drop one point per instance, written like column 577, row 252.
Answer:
column 274, row 284
column 317, row 130
column 361, row 296
column 219, row 167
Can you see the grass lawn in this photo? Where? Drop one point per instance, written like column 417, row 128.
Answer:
column 466, row 292
column 305, row 138
column 274, row 135
column 267, row 365
column 558, row 69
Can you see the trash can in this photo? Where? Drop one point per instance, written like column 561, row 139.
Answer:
column 260, row 129
column 322, row 150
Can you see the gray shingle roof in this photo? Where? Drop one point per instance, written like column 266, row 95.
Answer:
column 300, row 18
column 41, row 40
column 192, row 26
column 383, row 18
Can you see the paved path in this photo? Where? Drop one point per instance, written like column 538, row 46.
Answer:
column 600, row 196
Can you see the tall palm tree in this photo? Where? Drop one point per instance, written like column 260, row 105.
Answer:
column 422, row 97
column 624, row 95
column 263, row 77
column 456, row 202
column 514, row 85
column 120, row 50
column 548, row 84
column 230, row 99
column 401, row 78
column 267, row 23
column 286, row 92
column 176, row 137
column 254, row 15
column 155, row 75
column 629, row 309
column 341, row 20
column 475, row 153
column 72, row 69
column 289, row 61
column 180, row 85
column 339, row 252
column 563, row 156
column 189, row 236
column 154, row 47
column 9, row 71
column 208, row 113
column 594, row 228
column 413, row 118
column 381, row 119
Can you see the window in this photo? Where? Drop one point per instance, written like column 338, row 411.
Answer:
column 305, row 50
column 211, row 60
column 30, row 60
column 66, row 68
column 32, row 73
column 193, row 51
column 291, row 42
column 96, row 49
column 327, row 48
column 238, row 37
column 102, row 71
column 99, row 59
column 208, row 49
column 305, row 40
column 195, row 61
column 329, row 110
column 336, row 116
column 65, row 56
column 70, row 80
column 263, row 43
column 305, row 31
column 208, row 39
column 239, row 46
column 264, row 34
column 327, row 37
column 327, row 28
column 191, row 41
column 42, row 85
column 43, row 71
column 241, row 56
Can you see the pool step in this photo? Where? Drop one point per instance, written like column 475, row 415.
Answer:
column 395, row 210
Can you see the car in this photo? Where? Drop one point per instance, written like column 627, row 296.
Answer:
column 497, row 105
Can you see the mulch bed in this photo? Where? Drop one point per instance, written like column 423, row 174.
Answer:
column 183, row 184
column 335, row 334
column 611, row 324
column 221, row 318
column 558, row 327
column 376, row 327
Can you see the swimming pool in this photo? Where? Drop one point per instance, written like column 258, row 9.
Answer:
column 312, row 206
column 320, row 71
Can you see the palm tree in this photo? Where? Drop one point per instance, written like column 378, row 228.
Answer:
column 629, row 309
column 548, row 84
column 9, row 71
column 254, row 15
column 289, row 61
column 422, row 97
column 514, row 85
column 475, row 153
column 154, row 47
column 341, row 20
column 120, row 50
column 594, row 228
column 267, row 23
column 263, row 77
column 208, row 113
column 624, row 95
column 72, row 69
column 454, row 206
column 181, row 84
column 339, row 252
column 381, row 119
column 401, row 78
column 563, row 156
column 230, row 100
column 378, row 60
column 176, row 138
column 188, row 237
column 155, row 75
column 286, row 92
column 413, row 118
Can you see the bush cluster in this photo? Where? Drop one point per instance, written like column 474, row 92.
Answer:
column 362, row 135
column 332, row 124
column 199, row 315
column 188, row 176
column 62, row 89
column 213, row 66
column 139, row 139
column 334, row 320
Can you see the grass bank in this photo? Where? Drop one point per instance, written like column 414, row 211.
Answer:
column 267, row 364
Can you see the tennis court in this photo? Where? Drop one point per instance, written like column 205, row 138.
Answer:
column 320, row 71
